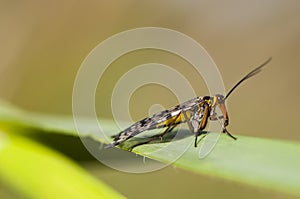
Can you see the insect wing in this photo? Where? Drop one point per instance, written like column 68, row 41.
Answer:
column 159, row 120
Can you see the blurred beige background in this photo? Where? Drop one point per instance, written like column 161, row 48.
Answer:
column 43, row 44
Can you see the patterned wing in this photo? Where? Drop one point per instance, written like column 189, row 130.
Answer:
column 159, row 120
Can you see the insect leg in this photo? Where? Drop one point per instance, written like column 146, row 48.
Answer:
column 225, row 130
column 229, row 134
column 188, row 121
column 203, row 122
column 191, row 127
column 169, row 128
column 197, row 129
column 153, row 138
column 214, row 116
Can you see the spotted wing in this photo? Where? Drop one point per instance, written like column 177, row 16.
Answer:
column 159, row 120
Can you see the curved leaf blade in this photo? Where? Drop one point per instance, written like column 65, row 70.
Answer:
column 39, row 172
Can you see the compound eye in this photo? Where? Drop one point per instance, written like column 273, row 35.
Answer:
column 220, row 99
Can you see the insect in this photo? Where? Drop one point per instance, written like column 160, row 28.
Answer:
column 195, row 112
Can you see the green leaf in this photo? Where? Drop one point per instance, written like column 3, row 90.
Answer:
column 39, row 172
column 267, row 163
column 13, row 116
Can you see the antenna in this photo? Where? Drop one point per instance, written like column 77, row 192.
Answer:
column 252, row 73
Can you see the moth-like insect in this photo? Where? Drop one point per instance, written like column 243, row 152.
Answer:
column 195, row 112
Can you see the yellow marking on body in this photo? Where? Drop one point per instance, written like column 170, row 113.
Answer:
column 214, row 101
column 179, row 119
